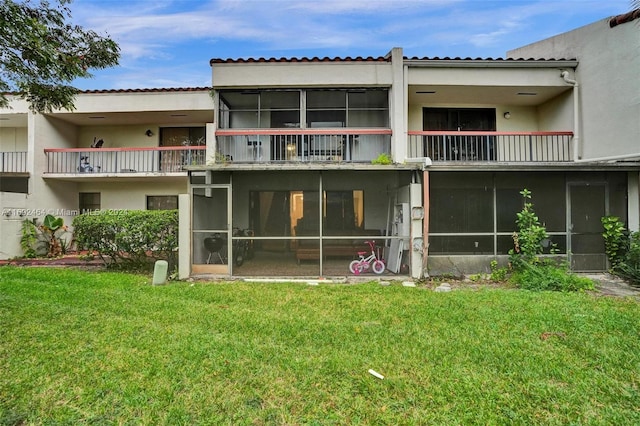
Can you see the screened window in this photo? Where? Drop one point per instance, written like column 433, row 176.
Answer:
column 260, row 109
column 162, row 202
column 324, row 108
column 14, row 184
column 88, row 201
column 461, row 203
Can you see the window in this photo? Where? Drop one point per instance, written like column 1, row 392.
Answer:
column 277, row 109
column 250, row 109
column 14, row 184
column 162, row 202
column 88, row 201
column 182, row 136
column 465, row 147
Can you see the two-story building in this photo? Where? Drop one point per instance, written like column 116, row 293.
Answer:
column 284, row 159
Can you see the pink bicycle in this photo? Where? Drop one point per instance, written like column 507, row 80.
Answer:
column 365, row 262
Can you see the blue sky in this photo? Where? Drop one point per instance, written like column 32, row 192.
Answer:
column 168, row 43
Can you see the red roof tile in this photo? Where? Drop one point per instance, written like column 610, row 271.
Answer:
column 303, row 59
column 446, row 58
column 624, row 18
column 150, row 90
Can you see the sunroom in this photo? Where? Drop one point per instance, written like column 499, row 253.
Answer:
column 311, row 222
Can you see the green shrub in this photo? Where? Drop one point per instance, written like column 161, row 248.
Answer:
column 549, row 276
column 498, row 274
column 629, row 268
column 528, row 240
column 131, row 239
column 44, row 238
column 622, row 248
column 616, row 240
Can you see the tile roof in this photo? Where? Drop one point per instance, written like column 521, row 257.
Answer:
column 367, row 59
column 446, row 58
column 303, row 59
column 150, row 90
column 624, row 18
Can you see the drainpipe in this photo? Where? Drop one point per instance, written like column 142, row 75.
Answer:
column 576, row 114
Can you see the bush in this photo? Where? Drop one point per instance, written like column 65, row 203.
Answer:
column 44, row 238
column 130, row 239
column 629, row 268
column 549, row 276
column 622, row 248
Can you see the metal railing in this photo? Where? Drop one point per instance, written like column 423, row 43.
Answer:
column 452, row 146
column 13, row 162
column 168, row 159
column 301, row 145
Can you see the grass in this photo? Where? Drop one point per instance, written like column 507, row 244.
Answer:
column 107, row 348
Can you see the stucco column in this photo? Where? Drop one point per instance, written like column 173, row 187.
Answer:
column 397, row 106
column 184, row 236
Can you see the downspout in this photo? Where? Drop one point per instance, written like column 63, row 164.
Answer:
column 576, row 115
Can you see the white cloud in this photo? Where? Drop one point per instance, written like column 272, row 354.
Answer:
column 155, row 34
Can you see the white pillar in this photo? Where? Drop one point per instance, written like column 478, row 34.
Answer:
column 184, row 236
column 397, row 107
column 417, row 237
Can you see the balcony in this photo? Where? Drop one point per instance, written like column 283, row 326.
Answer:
column 494, row 147
column 13, row 162
column 120, row 161
column 302, row 145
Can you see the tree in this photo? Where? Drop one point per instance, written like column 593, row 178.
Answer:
column 41, row 53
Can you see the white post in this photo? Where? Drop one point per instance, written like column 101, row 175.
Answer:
column 184, row 236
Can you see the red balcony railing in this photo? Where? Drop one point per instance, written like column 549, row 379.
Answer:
column 302, row 145
column 13, row 162
column 452, row 146
column 168, row 159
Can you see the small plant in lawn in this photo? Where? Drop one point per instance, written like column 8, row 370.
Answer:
column 498, row 274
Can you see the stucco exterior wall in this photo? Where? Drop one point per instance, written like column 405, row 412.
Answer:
column 131, row 195
column 309, row 74
column 608, row 83
column 13, row 139
column 132, row 136
column 499, row 77
column 142, row 101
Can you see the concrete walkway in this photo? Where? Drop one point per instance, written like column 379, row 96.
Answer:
column 610, row 285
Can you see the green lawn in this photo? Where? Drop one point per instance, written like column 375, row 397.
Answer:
column 108, row 348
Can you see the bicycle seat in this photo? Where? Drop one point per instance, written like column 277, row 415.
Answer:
column 362, row 253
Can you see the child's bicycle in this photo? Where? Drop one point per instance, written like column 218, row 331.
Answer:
column 358, row 266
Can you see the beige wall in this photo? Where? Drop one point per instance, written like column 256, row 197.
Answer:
column 13, row 139
column 313, row 74
column 466, row 77
column 141, row 102
column 608, row 78
column 118, row 136
column 131, row 195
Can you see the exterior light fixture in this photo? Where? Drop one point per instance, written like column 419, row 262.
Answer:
column 507, row 115
column 149, row 133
